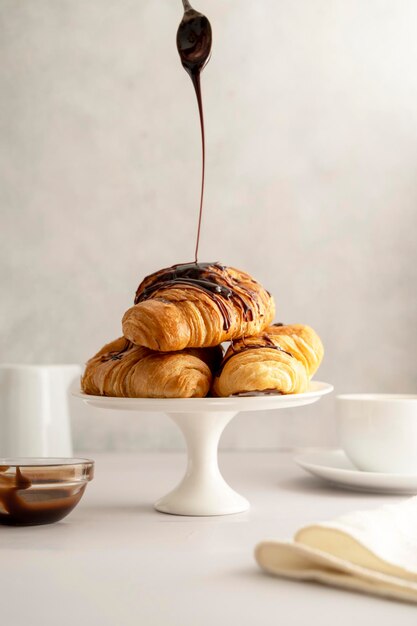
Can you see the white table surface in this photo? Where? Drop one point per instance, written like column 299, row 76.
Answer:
column 115, row 561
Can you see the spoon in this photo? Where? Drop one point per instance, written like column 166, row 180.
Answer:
column 193, row 40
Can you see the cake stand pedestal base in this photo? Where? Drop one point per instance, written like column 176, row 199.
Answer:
column 203, row 490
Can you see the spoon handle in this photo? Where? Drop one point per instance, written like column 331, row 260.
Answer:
column 187, row 6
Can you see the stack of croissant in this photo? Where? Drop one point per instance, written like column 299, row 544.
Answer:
column 173, row 335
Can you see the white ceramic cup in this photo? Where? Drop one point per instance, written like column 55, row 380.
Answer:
column 34, row 410
column 378, row 432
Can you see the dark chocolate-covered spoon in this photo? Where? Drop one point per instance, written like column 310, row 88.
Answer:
column 193, row 40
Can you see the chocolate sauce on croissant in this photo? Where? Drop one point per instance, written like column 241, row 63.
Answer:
column 249, row 394
column 194, row 47
column 243, row 347
column 212, row 278
column 117, row 356
column 198, row 275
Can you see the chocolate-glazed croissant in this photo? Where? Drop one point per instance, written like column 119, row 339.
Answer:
column 282, row 359
column 196, row 305
column 124, row 370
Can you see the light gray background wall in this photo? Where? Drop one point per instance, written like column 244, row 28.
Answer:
column 311, row 112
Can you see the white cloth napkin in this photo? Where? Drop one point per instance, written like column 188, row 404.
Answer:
column 370, row 551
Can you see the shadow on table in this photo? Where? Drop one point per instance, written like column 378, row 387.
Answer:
column 309, row 484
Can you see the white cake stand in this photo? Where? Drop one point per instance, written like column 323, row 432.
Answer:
column 203, row 490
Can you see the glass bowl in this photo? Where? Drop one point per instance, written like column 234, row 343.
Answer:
column 41, row 490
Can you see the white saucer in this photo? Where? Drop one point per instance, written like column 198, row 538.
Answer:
column 334, row 467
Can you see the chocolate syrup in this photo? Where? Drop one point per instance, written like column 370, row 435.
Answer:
column 212, row 278
column 23, row 504
column 117, row 356
column 243, row 347
column 249, row 394
column 193, row 274
column 194, row 47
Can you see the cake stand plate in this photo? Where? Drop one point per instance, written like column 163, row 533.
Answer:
column 203, row 490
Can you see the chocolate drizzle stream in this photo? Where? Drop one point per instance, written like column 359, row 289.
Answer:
column 212, row 278
column 194, row 47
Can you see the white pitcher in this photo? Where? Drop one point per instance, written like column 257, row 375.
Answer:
column 34, row 410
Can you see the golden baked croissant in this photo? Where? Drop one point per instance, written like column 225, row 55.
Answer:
column 196, row 305
column 122, row 369
column 280, row 360
column 302, row 341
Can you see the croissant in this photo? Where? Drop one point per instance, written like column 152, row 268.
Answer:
column 124, row 370
column 302, row 341
column 196, row 305
column 280, row 360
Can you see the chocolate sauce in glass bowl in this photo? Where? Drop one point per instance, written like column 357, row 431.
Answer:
column 194, row 47
column 40, row 491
